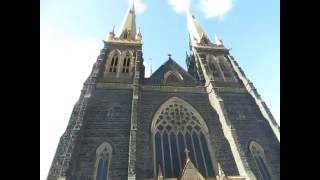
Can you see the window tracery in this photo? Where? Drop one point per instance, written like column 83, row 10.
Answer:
column 103, row 160
column 114, row 63
column 176, row 127
column 259, row 157
column 126, row 63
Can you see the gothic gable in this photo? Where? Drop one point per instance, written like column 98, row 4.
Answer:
column 171, row 74
column 190, row 172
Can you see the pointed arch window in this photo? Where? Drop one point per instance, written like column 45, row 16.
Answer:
column 103, row 160
column 177, row 126
column 259, row 157
column 224, row 67
column 114, row 63
column 213, row 69
column 126, row 63
column 212, row 64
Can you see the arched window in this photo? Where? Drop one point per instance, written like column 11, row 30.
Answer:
column 212, row 66
column 259, row 157
column 224, row 67
column 103, row 159
column 176, row 126
column 126, row 63
column 114, row 63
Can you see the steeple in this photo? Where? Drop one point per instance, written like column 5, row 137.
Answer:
column 197, row 34
column 128, row 28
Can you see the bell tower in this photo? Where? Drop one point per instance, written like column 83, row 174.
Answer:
column 236, row 100
column 103, row 122
column 123, row 52
column 213, row 56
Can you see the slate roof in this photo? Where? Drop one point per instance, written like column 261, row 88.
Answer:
column 158, row 77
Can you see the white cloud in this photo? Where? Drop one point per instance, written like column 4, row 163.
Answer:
column 140, row 7
column 210, row 8
column 215, row 8
column 180, row 6
column 65, row 63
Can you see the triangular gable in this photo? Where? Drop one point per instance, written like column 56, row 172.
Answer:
column 170, row 73
column 190, row 172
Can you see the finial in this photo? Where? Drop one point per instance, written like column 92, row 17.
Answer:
column 187, row 153
column 218, row 41
column 189, row 11
column 133, row 5
column 169, row 55
column 220, row 173
column 160, row 176
column 111, row 34
column 160, row 171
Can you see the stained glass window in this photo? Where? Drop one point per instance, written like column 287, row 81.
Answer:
column 103, row 152
column 213, row 67
column 174, row 151
column 126, row 64
column 158, row 151
column 258, row 154
column 102, row 169
column 177, row 127
column 199, row 154
column 114, row 63
column 206, row 155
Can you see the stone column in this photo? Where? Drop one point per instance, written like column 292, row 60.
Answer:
column 134, row 118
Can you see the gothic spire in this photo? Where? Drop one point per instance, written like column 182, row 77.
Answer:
column 128, row 28
column 197, row 34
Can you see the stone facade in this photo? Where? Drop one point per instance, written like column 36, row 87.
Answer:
column 118, row 108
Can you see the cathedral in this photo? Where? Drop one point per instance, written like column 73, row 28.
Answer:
column 204, row 123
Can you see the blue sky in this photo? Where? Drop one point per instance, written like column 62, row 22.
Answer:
column 72, row 32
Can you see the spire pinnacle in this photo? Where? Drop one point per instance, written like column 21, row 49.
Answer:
column 221, row 175
column 128, row 28
column 150, row 66
column 132, row 7
column 217, row 40
column 221, row 172
column 197, row 34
